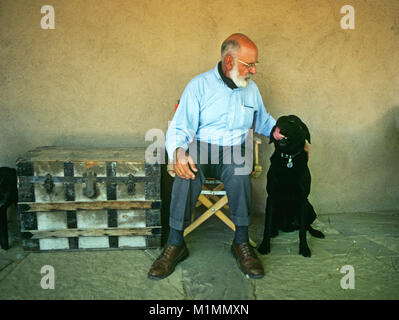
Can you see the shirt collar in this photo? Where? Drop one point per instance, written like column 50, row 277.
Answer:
column 220, row 75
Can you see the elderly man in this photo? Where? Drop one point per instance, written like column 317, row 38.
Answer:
column 216, row 111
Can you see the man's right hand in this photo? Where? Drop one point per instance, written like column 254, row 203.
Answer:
column 184, row 164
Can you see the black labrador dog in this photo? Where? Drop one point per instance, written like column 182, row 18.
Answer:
column 288, row 186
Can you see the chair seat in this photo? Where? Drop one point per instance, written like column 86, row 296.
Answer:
column 214, row 193
column 212, row 181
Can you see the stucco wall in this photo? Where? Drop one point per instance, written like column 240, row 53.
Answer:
column 111, row 70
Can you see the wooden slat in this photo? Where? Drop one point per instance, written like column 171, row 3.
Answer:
column 215, row 198
column 67, row 233
column 226, row 220
column 95, row 205
column 207, row 214
column 219, row 213
column 76, row 154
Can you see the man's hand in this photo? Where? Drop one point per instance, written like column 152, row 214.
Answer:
column 307, row 149
column 184, row 164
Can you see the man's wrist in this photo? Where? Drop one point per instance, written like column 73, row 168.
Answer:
column 179, row 151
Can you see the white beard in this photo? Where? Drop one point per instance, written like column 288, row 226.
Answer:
column 239, row 81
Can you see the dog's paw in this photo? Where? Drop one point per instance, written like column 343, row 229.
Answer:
column 316, row 233
column 305, row 251
column 264, row 248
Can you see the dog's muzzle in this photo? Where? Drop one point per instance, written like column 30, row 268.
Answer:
column 283, row 142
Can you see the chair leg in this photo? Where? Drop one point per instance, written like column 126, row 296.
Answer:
column 214, row 209
column 215, row 198
column 231, row 225
column 207, row 214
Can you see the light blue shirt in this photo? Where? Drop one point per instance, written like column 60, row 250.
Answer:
column 211, row 112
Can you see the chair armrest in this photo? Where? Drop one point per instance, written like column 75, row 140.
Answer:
column 257, row 168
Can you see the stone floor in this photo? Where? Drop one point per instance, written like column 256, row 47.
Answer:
column 369, row 242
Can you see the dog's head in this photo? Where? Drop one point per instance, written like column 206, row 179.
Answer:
column 295, row 133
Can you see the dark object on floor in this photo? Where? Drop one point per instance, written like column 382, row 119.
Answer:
column 8, row 196
column 288, row 186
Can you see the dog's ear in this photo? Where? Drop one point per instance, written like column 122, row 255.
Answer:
column 306, row 131
column 271, row 138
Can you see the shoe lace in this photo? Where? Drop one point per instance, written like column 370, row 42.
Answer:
column 164, row 257
column 247, row 250
column 167, row 251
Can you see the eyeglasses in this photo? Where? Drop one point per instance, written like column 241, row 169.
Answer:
column 248, row 65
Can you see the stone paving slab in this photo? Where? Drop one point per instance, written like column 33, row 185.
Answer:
column 4, row 263
column 373, row 248
column 211, row 272
column 89, row 275
column 390, row 242
column 392, row 262
column 371, row 223
column 320, row 278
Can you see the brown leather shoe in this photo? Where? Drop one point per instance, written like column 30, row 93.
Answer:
column 165, row 264
column 247, row 259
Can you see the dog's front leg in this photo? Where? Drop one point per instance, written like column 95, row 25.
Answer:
column 303, row 245
column 264, row 247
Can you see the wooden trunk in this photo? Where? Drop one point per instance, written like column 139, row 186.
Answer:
column 88, row 198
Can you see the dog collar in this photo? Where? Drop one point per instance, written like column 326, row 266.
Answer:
column 290, row 164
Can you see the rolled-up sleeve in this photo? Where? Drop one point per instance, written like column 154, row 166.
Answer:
column 184, row 125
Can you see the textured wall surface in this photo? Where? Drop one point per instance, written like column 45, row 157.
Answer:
column 111, row 70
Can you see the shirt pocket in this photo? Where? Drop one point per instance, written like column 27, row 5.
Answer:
column 243, row 117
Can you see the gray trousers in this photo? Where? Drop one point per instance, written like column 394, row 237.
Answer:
column 223, row 163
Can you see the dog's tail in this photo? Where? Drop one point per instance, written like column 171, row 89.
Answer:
column 311, row 217
column 316, row 233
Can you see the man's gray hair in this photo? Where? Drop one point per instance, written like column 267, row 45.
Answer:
column 229, row 47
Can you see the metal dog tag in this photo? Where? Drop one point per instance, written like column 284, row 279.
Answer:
column 289, row 163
